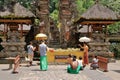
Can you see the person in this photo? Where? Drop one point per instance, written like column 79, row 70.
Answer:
column 86, row 61
column 74, row 66
column 69, row 59
column 80, row 61
column 43, row 55
column 94, row 64
column 85, row 56
column 30, row 49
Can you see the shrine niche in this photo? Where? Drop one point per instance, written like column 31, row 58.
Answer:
column 97, row 18
column 13, row 33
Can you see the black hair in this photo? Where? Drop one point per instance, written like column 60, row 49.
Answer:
column 43, row 41
column 80, row 58
column 70, row 55
column 95, row 56
column 74, row 58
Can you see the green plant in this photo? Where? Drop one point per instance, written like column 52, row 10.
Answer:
column 37, row 22
column 115, row 48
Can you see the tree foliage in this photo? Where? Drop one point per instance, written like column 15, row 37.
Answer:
column 26, row 3
column 112, row 4
column 83, row 5
column 114, row 28
column 115, row 48
column 115, row 6
column 54, row 11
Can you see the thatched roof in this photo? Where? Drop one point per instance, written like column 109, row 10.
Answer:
column 15, row 10
column 100, row 12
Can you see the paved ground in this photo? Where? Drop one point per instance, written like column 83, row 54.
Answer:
column 58, row 72
column 114, row 70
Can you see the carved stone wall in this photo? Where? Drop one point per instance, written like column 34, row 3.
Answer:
column 13, row 46
column 12, row 49
column 99, row 44
column 65, row 15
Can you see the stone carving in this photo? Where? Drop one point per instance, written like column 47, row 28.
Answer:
column 13, row 36
column 14, row 45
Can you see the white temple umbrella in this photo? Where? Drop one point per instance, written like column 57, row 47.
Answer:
column 41, row 36
column 84, row 39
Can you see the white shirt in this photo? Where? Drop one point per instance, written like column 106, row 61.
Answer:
column 95, row 60
column 80, row 62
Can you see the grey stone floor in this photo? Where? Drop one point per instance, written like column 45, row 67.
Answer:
column 58, row 72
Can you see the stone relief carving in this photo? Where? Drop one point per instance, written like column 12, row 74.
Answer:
column 13, row 36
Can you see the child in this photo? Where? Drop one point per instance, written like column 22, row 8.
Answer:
column 94, row 63
column 80, row 61
column 31, row 50
column 69, row 59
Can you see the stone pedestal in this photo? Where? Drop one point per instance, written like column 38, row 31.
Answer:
column 12, row 48
column 100, row 45
column 101, row 49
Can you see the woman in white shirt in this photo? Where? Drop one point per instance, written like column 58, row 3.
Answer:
column 94, row 63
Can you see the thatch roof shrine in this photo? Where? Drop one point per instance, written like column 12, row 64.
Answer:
column 97, row 18
column 14, row 16
column 98, row 14
column 14, row 12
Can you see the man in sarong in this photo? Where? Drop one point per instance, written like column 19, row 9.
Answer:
column 43, row 56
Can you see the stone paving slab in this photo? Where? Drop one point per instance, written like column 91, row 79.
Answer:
column 58, row 72
column 55, row 72
column 114, row 70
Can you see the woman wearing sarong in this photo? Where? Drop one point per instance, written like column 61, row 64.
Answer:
column 85, row 55
column 85, row 59
column 43, row 56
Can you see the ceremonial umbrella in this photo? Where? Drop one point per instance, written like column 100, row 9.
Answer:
column 41, row 36
column 84, row 39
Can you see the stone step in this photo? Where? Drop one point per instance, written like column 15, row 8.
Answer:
column 54, row 46
column 112, row 60
column 54, row 42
